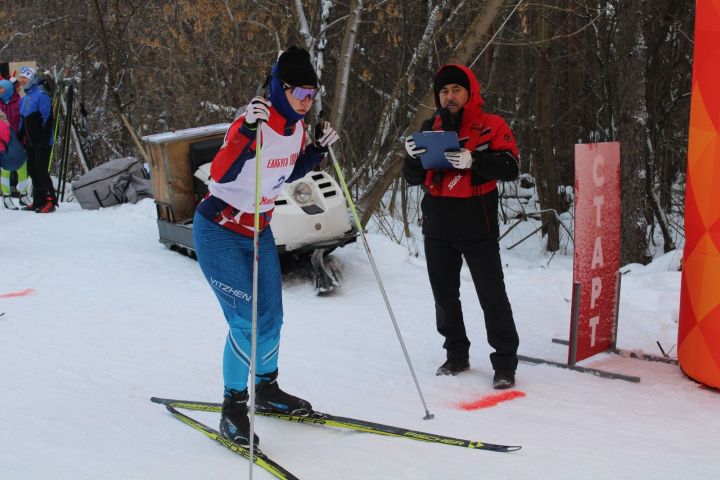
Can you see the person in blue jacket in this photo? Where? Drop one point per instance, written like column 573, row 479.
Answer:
column 36, row 128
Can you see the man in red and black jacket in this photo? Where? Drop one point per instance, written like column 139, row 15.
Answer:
column 459, row 219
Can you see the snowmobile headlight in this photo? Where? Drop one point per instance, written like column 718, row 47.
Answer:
column 302, row 193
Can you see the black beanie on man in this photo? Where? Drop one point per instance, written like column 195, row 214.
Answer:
column 295, row 68
column 449, row 75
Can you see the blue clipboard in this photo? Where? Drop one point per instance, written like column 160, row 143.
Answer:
column 436, row 143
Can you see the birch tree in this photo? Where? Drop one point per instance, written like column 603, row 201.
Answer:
column 342, row 76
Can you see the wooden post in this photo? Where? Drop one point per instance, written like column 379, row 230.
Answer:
column 126, row 122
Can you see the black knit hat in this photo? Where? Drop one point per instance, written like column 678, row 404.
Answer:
column 295, row 68
column 448, row 75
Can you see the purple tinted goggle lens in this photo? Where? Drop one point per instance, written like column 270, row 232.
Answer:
column 301, row 93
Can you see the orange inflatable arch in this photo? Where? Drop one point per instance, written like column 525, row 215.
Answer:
column 699, row 325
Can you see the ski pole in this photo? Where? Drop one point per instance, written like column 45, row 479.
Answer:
column 358, row 225
column 256, row 267
column 62, row 180
column 57, row 111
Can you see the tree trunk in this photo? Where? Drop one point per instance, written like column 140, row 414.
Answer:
column 631, row 133
column 657, row 31
column 343, row 71
column 545, row 169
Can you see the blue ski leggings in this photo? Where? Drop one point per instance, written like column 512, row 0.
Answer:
column 226, row 260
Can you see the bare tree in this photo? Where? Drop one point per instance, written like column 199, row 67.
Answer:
column 344, row 65
column 632, row 124
column 544, row 165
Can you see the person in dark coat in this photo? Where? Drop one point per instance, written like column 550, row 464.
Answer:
column 459, row 220
column 36, row 129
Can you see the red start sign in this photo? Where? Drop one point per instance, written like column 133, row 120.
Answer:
column 597, row 247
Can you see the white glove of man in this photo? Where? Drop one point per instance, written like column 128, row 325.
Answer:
column 461, row 159
column 412, row 149
column 325, row 135
column 257, row 109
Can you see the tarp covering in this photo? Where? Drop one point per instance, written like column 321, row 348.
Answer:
column 123, row 180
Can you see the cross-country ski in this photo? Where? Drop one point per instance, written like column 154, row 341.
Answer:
column 326, row 419
column 260, row 459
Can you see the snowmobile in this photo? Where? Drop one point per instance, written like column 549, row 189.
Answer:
column 310, row 218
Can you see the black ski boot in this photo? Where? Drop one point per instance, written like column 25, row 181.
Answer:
column 269, row 398
column 234, row 421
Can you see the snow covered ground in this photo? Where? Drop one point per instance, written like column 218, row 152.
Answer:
column 106, row 317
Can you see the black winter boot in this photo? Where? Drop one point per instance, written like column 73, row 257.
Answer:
column 269, row 397
column 234, row 421
column 503, row 379
column 453, row 367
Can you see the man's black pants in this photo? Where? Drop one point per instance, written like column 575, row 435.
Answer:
column 444, row 260
column 38, row 162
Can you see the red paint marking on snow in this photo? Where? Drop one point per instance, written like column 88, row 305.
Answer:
column 490, row 400
column 22, row 293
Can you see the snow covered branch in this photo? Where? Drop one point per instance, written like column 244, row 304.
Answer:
column 33, row 30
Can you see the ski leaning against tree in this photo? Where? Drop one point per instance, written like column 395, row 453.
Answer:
column 224, row 230
column 459, row 211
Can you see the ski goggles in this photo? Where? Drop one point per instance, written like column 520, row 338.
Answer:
column 301, row 93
